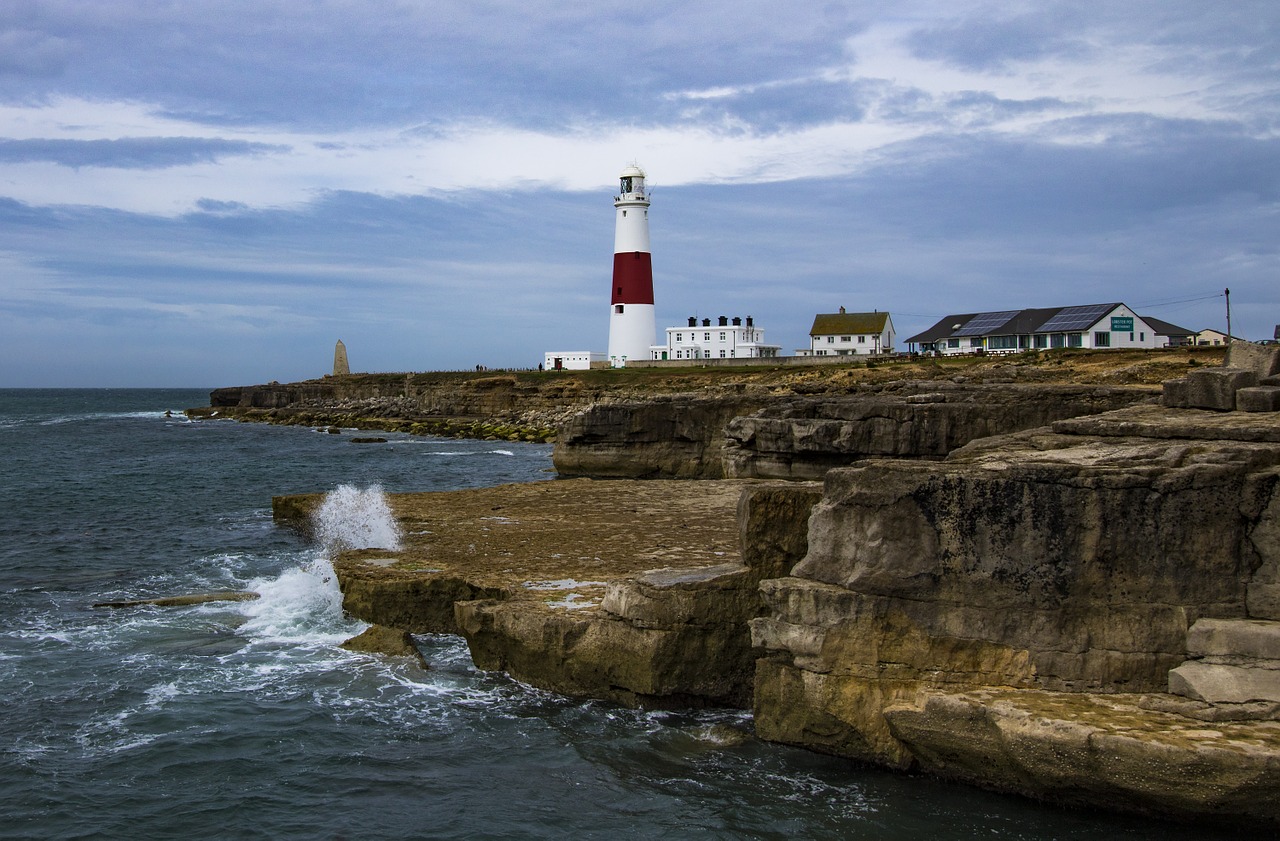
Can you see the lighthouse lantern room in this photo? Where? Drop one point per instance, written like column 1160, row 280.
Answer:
column 632, row 325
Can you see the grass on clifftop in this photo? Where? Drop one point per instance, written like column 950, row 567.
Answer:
column 1103, row 367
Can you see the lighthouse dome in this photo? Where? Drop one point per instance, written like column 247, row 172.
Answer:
column 632, row 171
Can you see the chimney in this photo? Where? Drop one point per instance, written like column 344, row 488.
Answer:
column 706, row 322
column 737, row 322
column 749, row 321
column 724, row 322
column 693, row 321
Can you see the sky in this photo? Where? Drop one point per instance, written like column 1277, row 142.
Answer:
column 213, row 192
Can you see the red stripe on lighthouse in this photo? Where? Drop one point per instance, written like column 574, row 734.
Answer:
column 632, row 278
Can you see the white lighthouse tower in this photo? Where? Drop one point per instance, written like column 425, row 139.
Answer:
column 632, row 326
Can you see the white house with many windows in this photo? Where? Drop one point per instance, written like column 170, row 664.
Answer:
column 726, row 339
column 849, row 334
column 1111, row 325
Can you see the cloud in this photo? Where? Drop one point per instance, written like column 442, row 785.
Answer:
column 433, row 182
column 27, row 54
column 130, row 153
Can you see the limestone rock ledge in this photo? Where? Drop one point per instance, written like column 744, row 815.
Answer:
column 1086, row 749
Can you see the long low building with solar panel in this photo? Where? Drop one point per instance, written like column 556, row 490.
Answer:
column 1013, row 331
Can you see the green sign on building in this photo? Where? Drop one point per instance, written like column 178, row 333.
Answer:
column 1122, row 324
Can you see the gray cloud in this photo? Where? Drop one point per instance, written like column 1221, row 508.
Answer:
column 129, row 153
column 27, row 54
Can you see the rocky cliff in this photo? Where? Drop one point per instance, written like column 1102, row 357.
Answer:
column 1006, row 615
column 756, row 434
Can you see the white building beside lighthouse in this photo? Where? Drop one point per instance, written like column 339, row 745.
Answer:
column 632, row 325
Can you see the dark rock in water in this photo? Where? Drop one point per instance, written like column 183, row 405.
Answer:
column 368, row 440
column 187, row 600
column 294, row 511
column 379, row 639
column 334, row 430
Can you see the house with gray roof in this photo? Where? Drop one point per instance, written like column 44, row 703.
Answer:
column 1111, row 325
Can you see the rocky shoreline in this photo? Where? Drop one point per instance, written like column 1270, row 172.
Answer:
column 1065, row 590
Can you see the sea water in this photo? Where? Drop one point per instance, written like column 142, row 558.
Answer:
column 246, row 719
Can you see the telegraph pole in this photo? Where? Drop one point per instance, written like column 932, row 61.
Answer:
column 1227, row 292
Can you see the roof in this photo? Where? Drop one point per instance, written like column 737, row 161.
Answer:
column 946, row 326
column 844, row 323
column 1165, row 328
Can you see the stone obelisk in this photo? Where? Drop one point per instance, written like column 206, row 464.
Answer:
column 340, row 366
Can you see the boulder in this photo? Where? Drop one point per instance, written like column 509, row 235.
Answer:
column 1224, row 684
column 1263, row 360
column 1262, row 398
column 1215, row 388
column 379, row 639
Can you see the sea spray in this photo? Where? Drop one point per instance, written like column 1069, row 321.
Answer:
column 351, row 518
column 305, row 602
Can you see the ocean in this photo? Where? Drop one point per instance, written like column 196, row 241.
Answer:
column 246, row 719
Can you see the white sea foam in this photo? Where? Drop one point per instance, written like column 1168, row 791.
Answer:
column 302, row 604
column 351, row 518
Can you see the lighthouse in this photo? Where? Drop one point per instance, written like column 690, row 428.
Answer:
column 632, row 326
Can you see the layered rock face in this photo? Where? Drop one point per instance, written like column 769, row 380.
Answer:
column 759, row 436
column 673, row 437
column 1066, row 563
column 805, row 437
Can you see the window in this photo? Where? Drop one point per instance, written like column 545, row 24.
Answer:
column 706, row 337
column 706, row 354
column 618, row 308
column 953, row 343
column 1131, row 336
column 831, row 340
column 846, row 338
column 1042, row 340
column 1102, row 338
column 976, row 341
column 679, row 337
column 862, row 340
column 722, row 337
column 722, row 354
column 679, row 354
column 1142, row 337
column 1075, row 340
column 1058, row 340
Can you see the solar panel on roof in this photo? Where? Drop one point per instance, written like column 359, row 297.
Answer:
column 1075, row 318
column 986, row 322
